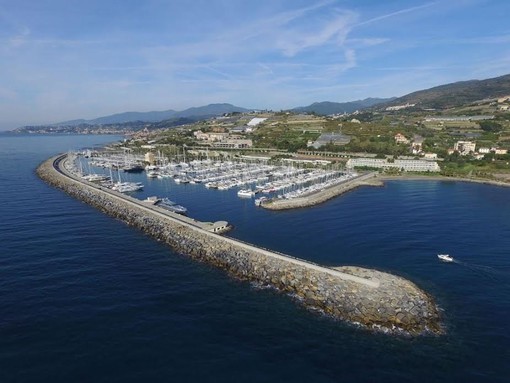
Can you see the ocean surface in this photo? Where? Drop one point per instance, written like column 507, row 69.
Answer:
column 85, row 298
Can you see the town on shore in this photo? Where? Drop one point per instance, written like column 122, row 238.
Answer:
column 281, row 156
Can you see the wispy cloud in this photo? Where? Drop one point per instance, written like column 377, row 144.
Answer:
column 261, row 46
column 334, row 31
column 417, row 68
column 19, row 38
column 396, row 13
column 501, row 39
column 368, row 42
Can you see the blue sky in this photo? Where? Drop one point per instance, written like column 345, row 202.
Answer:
column 66, row 59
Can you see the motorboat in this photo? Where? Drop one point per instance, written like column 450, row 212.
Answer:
column 445, row 257
column 126, row 187
column 165, row 203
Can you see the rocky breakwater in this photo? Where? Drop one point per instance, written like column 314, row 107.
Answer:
column 368, row 297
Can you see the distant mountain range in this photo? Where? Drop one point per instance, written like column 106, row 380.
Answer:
column 212, row 110
column 439, row 97
column 456, row 94
column 326, row 108
column 207, row 111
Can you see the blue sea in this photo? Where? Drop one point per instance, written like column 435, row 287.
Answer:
column 85, row 298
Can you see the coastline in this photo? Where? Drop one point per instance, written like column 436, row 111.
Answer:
column 370, row 179
column 415, row 177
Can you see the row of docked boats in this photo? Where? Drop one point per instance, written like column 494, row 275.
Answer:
column 251, row 178
column 107, row 181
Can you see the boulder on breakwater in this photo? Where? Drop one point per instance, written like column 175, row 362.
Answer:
column 364, row 296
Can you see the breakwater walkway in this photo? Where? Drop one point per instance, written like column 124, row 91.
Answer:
column 371, row 298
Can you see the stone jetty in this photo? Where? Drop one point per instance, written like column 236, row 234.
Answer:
column 367, row 297
column 324, row 195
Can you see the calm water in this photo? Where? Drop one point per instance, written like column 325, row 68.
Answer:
column 84, row 298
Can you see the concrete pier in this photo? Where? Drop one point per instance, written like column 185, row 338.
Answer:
column 368, row 297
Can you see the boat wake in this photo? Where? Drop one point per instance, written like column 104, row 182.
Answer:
column 487, row 271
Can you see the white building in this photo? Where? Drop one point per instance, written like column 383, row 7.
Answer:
column 233, row 143
column 464, row 147
column 211, row 137
column 150, row 158
column 255, row 121
column 430, row 156
column 404, row 165
column 500, row 151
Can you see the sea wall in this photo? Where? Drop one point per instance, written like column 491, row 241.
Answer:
column 368, row 297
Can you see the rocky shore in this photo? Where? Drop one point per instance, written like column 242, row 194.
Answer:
column 367, row 297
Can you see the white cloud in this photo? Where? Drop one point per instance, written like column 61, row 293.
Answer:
column 396, row 13
column 334, row 31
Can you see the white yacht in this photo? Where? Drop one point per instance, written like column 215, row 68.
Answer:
column 245, row 193
column 96, row 177
column 126, row 187
column 171, row 205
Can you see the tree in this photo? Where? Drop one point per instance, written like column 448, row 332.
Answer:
column 490, row 126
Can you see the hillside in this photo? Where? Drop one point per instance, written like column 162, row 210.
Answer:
column 456, row 94
column 326, row 108
column 156, row 116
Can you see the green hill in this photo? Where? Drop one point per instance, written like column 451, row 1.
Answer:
column 456, row 94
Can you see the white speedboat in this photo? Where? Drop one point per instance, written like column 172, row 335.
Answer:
column 445, row 257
